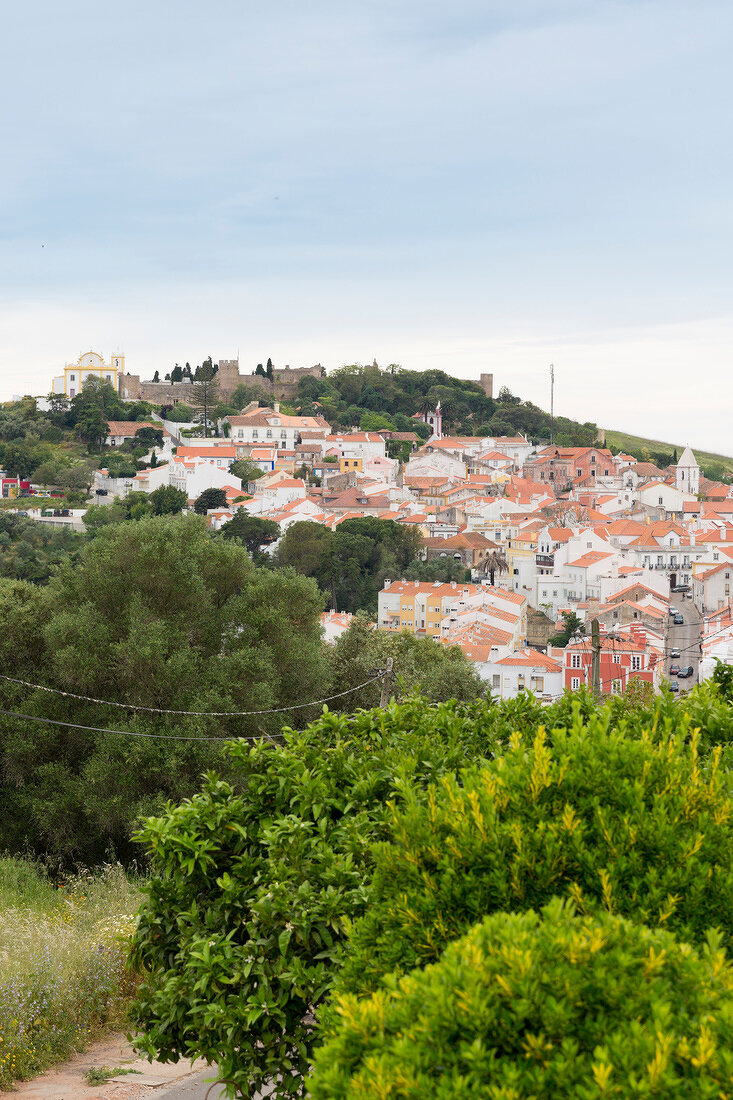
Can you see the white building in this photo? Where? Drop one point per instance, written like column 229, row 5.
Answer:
column 687, row 474
column 524, row 670
column 89, row 365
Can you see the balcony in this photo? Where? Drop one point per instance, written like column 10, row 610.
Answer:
column 546, row 561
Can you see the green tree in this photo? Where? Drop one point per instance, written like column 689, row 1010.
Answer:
column 177, row 374
column 18, row 460
column 167, row 501
column 546, row 1004
column 632, row 826
column 571, row 625
column 437, row 569
column 180, row 413
column 205, row 393
column 255, row 882
column 251, row 531
column 246, row 470
column 421, row 665
column 150, row 436
column 158, row 614
column 210, row 498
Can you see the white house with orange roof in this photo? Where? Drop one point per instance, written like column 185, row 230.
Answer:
column 221, row 456
column 712, row 589
column 334, row 624
column 271, row 427
column 524, row 670
column 427, row 608
column 193, row 477
column 661, row 498
column 278, row 490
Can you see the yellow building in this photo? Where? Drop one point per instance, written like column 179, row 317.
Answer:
column 89, row 365
column 348, row 465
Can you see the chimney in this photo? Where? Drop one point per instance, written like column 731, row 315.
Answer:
column 277, row 406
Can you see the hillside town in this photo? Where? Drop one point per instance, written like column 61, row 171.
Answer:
column 551, row 537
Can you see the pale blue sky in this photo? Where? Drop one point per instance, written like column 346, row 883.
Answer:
column 465, row 185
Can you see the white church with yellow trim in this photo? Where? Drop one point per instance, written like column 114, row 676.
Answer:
column 89, row 365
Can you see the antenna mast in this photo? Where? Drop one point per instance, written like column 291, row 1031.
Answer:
column 552, row 403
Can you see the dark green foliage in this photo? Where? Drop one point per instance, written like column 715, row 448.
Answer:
column 371, row 398
column 635, row 826
column 437, row 569
column 150, row 436
column 210, row 498
column 180, row 413
column 351, row 563
column 32, row 551
column 255, row 884
column 159, row 614
column 541, row 1007
column 437, row 672
column 246, row 470
column 252, row 532
column 167, row 501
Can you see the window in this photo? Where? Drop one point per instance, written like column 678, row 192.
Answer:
column 616, row 659
column 575, row 660
column 495, row 682
column 254, row 433
column 269, row 433
column 661, row 501
column 592, row 458
column 515, row 572
column 605, row 473
column 575, row 683
column 635, row 663
column 580, row 473
column 715, row 557
column 616, row 687
column 537, row 684
column 589, row 545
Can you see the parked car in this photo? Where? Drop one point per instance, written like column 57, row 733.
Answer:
column 678, row 620
column 681, row 588
column 686, row 670
column 674, row 653
column 673, row 611
column 674, row 670
column 674, row 686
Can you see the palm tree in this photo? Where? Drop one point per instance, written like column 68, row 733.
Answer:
column 494, row 563
column 425, row 405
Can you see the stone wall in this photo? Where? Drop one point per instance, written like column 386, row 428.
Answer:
column 283, row 388
column 539, row 628
column 487, row 384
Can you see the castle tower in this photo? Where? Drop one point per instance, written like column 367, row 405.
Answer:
column 687, row 473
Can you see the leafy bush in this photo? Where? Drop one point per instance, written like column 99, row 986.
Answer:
column 256, row 886
column 541, row 1009
column 641, row 828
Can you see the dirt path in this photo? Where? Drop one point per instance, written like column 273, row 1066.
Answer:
column 67, row 1082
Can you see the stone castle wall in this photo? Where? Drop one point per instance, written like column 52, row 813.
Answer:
column 283, row 388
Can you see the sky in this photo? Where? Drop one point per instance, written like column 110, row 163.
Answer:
column 473, row 185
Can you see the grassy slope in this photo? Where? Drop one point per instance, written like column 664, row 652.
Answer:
column 63, row 971
column 635, row 442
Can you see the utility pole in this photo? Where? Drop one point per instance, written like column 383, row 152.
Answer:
column 595, row 635
column 386, row 684
column 552, row 403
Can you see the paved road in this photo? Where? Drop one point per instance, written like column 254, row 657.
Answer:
column 686, row 638
column 194, row 1087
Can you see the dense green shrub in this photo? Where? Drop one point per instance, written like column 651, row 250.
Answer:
column 640, row 827
column 256, row 886
column 548, row 1008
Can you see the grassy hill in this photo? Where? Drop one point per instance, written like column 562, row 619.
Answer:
column 634, row 444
